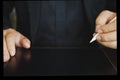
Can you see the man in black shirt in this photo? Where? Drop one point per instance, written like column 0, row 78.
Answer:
column 58, row 24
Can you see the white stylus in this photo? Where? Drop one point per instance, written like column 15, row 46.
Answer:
column 94, row 38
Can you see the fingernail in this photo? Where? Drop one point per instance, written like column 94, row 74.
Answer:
column 94, row 34
column 12, row 52
column 98, row 38
column 27, row 44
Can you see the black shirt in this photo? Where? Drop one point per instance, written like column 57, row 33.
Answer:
column 57, row 23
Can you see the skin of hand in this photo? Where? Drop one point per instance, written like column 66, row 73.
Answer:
column 107, row 30
column 11, row 40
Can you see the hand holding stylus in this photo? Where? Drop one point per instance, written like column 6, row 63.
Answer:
column 106, row 32
column 95, row 36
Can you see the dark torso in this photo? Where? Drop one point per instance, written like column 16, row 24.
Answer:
column 57, row 23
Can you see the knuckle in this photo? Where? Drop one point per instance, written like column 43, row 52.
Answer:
column 98, row 20
column 10, row 35
column 105, row 11
column 10, row 29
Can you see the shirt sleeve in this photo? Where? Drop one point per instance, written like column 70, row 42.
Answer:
column 7, row 9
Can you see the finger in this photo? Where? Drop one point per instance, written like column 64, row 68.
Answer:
column 10, row 40
column 22, row 41
column 103, row 18
column 25, row 42
column 112, row 44
column 6, row 55
column 109, row 27
column 105, row 37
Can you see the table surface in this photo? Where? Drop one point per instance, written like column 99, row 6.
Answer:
column 67, row 61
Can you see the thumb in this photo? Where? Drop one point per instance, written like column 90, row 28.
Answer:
column 22, row 41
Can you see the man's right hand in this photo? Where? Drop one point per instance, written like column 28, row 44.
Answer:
column 12, row 39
